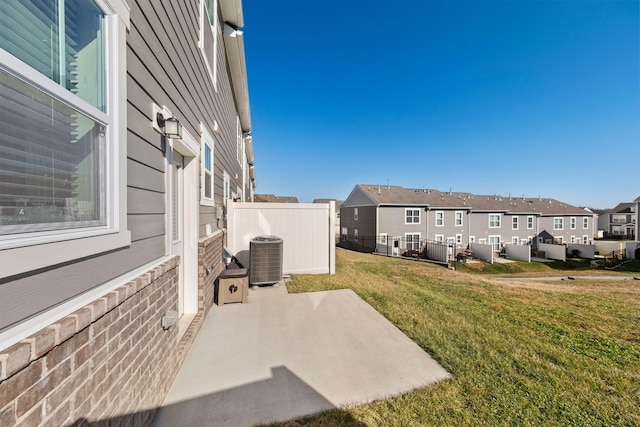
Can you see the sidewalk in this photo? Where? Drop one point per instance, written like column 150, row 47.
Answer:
column 285, row 356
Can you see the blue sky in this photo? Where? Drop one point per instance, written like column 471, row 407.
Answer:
column 488, row 97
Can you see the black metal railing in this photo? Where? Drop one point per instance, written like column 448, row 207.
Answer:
column 430, row 250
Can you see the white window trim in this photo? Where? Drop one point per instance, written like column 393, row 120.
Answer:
column 515, row 223
column 439, row 238
column 383, row 238
column 585, row 239
column 204, row 20
column 406, row 240
column 406, row 210
column 514, row 240
column 21, row 253
column 499, row 221
column 499, row 241
column 472, row 239
column 355, row 234
column 206, row 139
column 461, row 213
column 585, row 223
column 355, row 214
column 226, row 187
column 436, row 218
column 573, row 223
column 530, row 220
column 458, row 239
column 561, row 223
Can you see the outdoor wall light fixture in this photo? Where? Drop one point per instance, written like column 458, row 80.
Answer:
column 171, row 127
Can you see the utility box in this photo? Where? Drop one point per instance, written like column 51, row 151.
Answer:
column 233, row 286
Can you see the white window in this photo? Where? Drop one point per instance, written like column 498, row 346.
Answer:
column 355, row 234
column 458, row 239
column 458, row 219
column 412, row 241
column 482, row 241
column 585, row 240
column 344, row 233
column 206, row 167
column 558, row 240
column 514, row 223
column 573, row 239
column 523, row 242
column 514, row 240
column 494, row 241
column 439, row 237
column 382, row 239
column 227, row 187
column 572, row 222
column 439, row 218
column 494, row 220
column 238, row 140
column 558, row 223
column 209, row 36
column 62, row 131
column 412, row 216
column 585, row 222
column 355, row 214
column 529, row 223
column 472, row 239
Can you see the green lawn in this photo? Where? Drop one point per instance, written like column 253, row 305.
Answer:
column 521, row 353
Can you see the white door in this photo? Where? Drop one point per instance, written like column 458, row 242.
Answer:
column 177, row 220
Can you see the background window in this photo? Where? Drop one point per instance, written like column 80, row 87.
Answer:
column 514, row 223
column 412, row 216
column 458, row 218
column 558, row 223
column 439, row 218
column 494, row 221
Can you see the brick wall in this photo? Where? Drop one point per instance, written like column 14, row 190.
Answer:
column 210, row 265
column 108, row 363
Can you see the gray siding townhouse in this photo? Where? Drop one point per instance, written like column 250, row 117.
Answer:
column 620, row 221
column 124, row 129
column 375, row 215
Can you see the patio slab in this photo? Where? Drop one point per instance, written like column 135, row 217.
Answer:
column 285, row 356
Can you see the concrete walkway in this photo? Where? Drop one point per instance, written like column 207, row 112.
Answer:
column 284, row 356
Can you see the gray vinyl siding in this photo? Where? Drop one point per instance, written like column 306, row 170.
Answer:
column 392, row 221
column 164, row 66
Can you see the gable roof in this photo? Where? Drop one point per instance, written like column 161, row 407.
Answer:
column 435, row 199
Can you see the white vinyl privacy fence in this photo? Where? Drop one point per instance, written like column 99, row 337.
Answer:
column 481, row 251
column 307, row 231
column 557, row 252
column 519, row 252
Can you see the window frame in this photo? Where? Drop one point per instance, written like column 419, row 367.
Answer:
column 573, row 223
column 206, row 140
column 355, row 214
column 515, row 222
column 413, row 216
column 215, row 28
column 416, row 243
column 499, row 220
column 439, row 214
column 530, row 222
column 23, row 252
column 383, row 238
column 459, row 221
column 558, row 223
column 585, row 223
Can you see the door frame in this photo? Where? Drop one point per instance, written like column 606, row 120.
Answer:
column 189, row 148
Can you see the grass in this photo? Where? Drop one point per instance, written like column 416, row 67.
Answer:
column 521, row 353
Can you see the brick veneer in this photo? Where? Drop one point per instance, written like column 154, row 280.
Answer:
column 210, row 265
column 109, row 362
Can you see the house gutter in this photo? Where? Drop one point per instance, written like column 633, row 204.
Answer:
column 234, row 45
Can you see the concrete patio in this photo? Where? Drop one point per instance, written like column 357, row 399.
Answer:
column 285, row 356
